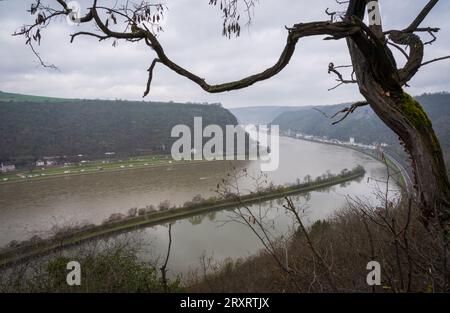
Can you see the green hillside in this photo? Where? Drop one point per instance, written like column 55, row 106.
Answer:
column 16, row 97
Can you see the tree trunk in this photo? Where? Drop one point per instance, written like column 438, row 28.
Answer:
column 406, row 117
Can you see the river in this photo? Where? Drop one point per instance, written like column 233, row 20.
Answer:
column 31, row 208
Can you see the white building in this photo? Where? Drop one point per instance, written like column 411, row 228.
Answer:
column 40, row 163
column 352, row 140
column 4, row 167
column 50, row 162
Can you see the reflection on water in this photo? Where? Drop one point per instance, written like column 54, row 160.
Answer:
column 222, row 235
column 29, row 207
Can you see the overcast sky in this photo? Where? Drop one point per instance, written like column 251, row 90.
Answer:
column 192, row 38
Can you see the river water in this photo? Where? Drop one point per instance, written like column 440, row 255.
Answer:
column 31, row 208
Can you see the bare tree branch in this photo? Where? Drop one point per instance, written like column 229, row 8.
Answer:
column 422, row 15
column 41, row 61
column 347, row 111
column 435, row 60
column 333, row 69
column 164, row 266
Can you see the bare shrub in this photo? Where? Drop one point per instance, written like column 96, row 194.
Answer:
column 332, row 256
column 35, row 239
column 132, row 212
column 115, row 217
column 13, row 244
column 164, row 205
column 150, row 209
column 197, row 199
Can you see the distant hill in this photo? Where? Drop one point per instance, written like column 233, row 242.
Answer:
column 16, row 97
column 260, row 115
column 33, row 127
column 364, row 125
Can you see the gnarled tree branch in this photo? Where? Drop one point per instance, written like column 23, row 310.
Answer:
column 422, row 15
column 334, row 30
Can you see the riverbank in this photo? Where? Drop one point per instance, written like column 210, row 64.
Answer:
column 91, row 169
column 30, row 250
column 404, row 180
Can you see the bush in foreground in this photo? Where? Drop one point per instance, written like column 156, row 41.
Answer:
column 113, row 270
column 332, row 256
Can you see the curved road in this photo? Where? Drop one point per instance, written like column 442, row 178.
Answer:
column 403, row 171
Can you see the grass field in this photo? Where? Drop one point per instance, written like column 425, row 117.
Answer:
column 90, row 167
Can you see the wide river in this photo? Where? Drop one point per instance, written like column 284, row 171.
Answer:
column 31, row 208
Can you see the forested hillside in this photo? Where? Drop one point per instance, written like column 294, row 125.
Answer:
column 31, row 129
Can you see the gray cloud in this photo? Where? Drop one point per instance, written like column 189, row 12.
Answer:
column 192, row 37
